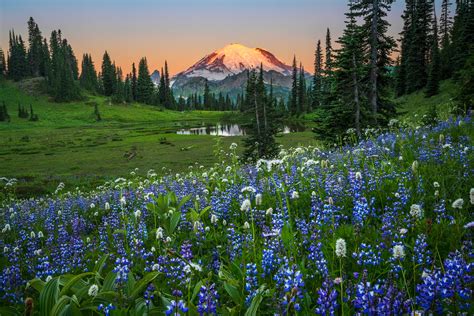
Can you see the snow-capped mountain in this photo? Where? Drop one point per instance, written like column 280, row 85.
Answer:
column 155, row 77
column 224, row 70
column 234, row 59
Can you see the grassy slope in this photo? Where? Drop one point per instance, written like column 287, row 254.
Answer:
column 68, row 145
column 411, row 108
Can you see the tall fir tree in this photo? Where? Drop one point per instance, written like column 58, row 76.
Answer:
column 379, row 48
column 432, row 86
column 302, row 99
column 35, row 49
column 3, row 65
column 109, row 77
column 88, row 77
column 17, row 59
column 405, row 41
column 317, row 78
column 347, row 110
column 133, row 82
column 293, row 101
column 207, row 97
column 145, row 86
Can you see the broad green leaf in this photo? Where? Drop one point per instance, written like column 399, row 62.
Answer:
column 37, row 284
column 197, row 287
column 142, row 284
column 183, row 201
column 109, row 282
column 100, row 264
column 60, row 306
column 9, row 311
column 49, row 296
column 257, row 299
column 234, row 293
column 73, row 281
column 174, row 221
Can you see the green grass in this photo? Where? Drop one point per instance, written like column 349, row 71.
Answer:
column 412, row 107
column 68, row 145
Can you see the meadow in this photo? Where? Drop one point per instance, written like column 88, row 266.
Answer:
column 69, row 145
column 380, row 227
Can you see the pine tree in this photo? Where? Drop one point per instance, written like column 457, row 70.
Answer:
column 406, row 40
column 317, row 78
column 260, row 140
column 446, row 23
column 45, row 59
column 17, row 59
column 379, row 47
column 293, row 102
column 3, row 64
column 432, row 86
column 128, row 94
column 329, row 55
column 335, row 118
column 462, row 35
column 35, row 50
column 207, row 97
column 134, row 82
column 109, row 77
column 88, row 77
column 301, row 91
column 145, row 86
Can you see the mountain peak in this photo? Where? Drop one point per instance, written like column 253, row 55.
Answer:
column 233, row 59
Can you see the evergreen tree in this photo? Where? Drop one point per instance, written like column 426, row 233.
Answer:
column 207, row 97
column 432, row 86
column 301, row 91
column 3, row 64
column 88, row 78
column 119, row 95
column 417, row 63
column 260, row 140
column 329, row 54
column 45, row 59
column 4, row 116
column 17, row 61
column 145, row 86
column 293, row 102
column 35, row 50
column 446, row 23
column 108, row 75
column 60, row 75
column 128, row 94
column 379, row 47
column 317, row 78
column 346, row 111
column 462, row 34
column 133, row 82
column 406, row 39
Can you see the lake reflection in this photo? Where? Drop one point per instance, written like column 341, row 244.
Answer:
column 228, row 130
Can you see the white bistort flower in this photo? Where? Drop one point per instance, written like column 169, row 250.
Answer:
column 93, row 290
column 295, row 195
column 107, row 206
column 258, row 199
column 458, row 203
column 471, row 195
column 416, row 211
column 269, row 212
column 137, row 214
column 245, row 205
column 213, row 219
column 341, row 248
column 398, row 252
column 159, row 233
column 246, row 225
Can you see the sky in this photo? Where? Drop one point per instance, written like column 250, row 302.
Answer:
column 183, row 31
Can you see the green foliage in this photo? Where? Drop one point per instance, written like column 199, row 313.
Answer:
column 145, row 86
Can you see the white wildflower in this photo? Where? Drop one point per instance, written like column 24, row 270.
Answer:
column 107, row 206
column 197, row 226
column 224, row 222
column 5, row 249
column 403, row 231
column 246, row 205
column 358, row 175
column 92, row 205
column 246, row 225
column 471, row 195
column 340, row 248
column 295, row 195
column 159, row 233
column 458, row 203
column 269, row 212
column 40, row 234
column 195, row 266
column 168, row 239
column 93, row 290
column 414, row 166
column 88, row 240
column 213, row 219
column 48, row 278
column 436, row 184
column 123, row 201
column 398, row 252
column 156, row 267
column 6, row 228
column 137, row 214
column 32, row 235
column 416, row 211
column 59, row 213
column 258, row 199
column 248, row 189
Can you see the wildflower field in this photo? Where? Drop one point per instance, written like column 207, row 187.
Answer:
column 381, row 227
